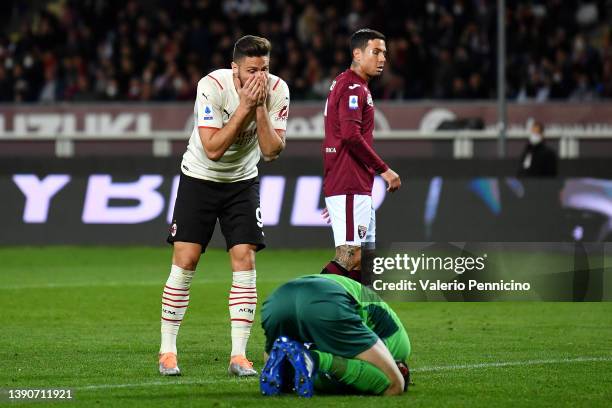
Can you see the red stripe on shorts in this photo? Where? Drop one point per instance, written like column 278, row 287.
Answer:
column 350, row 224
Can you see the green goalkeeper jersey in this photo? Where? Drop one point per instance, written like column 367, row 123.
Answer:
column 377, row 315
column 338, row 315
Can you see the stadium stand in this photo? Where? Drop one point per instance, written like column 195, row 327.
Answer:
column 158, row 50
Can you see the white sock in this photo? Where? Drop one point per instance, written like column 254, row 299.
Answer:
column 242, row 305
column 175, row 300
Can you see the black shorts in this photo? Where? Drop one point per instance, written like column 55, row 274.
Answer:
column 199, row 203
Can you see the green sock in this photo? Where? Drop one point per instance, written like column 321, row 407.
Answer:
column 323, row 360
column 358, row 375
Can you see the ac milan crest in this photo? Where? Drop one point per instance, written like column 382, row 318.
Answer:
column 283, row 113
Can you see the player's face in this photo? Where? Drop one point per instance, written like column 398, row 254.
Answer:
column 536, row 129
column 373, row 58
column 249, row 66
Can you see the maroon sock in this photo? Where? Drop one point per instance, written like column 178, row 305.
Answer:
column 355, row 274
column 335, row 269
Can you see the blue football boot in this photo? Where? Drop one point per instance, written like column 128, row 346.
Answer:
column 304, row 367
column 271, row 379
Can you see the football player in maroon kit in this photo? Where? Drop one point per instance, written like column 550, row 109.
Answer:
column 350, row 162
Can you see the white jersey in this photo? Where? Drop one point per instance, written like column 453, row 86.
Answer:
column 216, row 102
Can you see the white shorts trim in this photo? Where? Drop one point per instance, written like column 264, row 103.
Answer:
column 353, row 219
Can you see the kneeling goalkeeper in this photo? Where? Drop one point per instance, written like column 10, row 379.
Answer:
column 330, row 334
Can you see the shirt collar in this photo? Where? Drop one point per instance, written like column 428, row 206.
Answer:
column 357, row 77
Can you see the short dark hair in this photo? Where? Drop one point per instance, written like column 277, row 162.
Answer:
column 251, row 46
column 360, row 38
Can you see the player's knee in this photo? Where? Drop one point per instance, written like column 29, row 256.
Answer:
column 185, row 263
column 185, row 259
column 243, row 257
column 186, row 255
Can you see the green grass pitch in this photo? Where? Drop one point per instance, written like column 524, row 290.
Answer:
column 88, row 319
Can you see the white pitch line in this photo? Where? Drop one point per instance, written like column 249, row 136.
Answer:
column 77, row 285
column 416, row 370
column 169, row 382
column 512, row 363
column 116, row 283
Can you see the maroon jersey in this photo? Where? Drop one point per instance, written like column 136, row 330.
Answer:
column 349, row 160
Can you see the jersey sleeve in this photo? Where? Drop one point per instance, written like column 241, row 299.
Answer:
column 350, row 105
column 350, row 108
column 208, row 105
column 279, row 104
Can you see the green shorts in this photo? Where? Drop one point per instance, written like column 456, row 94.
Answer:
column 316, row 310
column 399, row 345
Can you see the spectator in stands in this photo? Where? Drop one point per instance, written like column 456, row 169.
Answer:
column 538, row 160
column 476, row 89
column 140, row 51
column 6, row 85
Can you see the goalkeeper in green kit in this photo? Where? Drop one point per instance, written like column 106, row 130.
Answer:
column 330, row 334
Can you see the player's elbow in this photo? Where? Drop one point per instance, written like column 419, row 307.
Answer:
column 395, row 388
column 351, row 140
column 214, row 155
column 273, row 154
column 269, row 158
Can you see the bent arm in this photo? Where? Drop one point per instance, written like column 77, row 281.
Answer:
column 271, row 141
column 217, row 141
column 379, row 356
column 352, row 139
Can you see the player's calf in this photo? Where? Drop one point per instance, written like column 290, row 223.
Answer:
column 346, row 263
column 348, row 256
column 242, row 305
column 175, row 299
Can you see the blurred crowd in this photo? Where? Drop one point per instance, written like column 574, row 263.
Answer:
column 127, row 50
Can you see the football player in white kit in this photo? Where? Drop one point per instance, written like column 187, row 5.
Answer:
column 240, row 115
